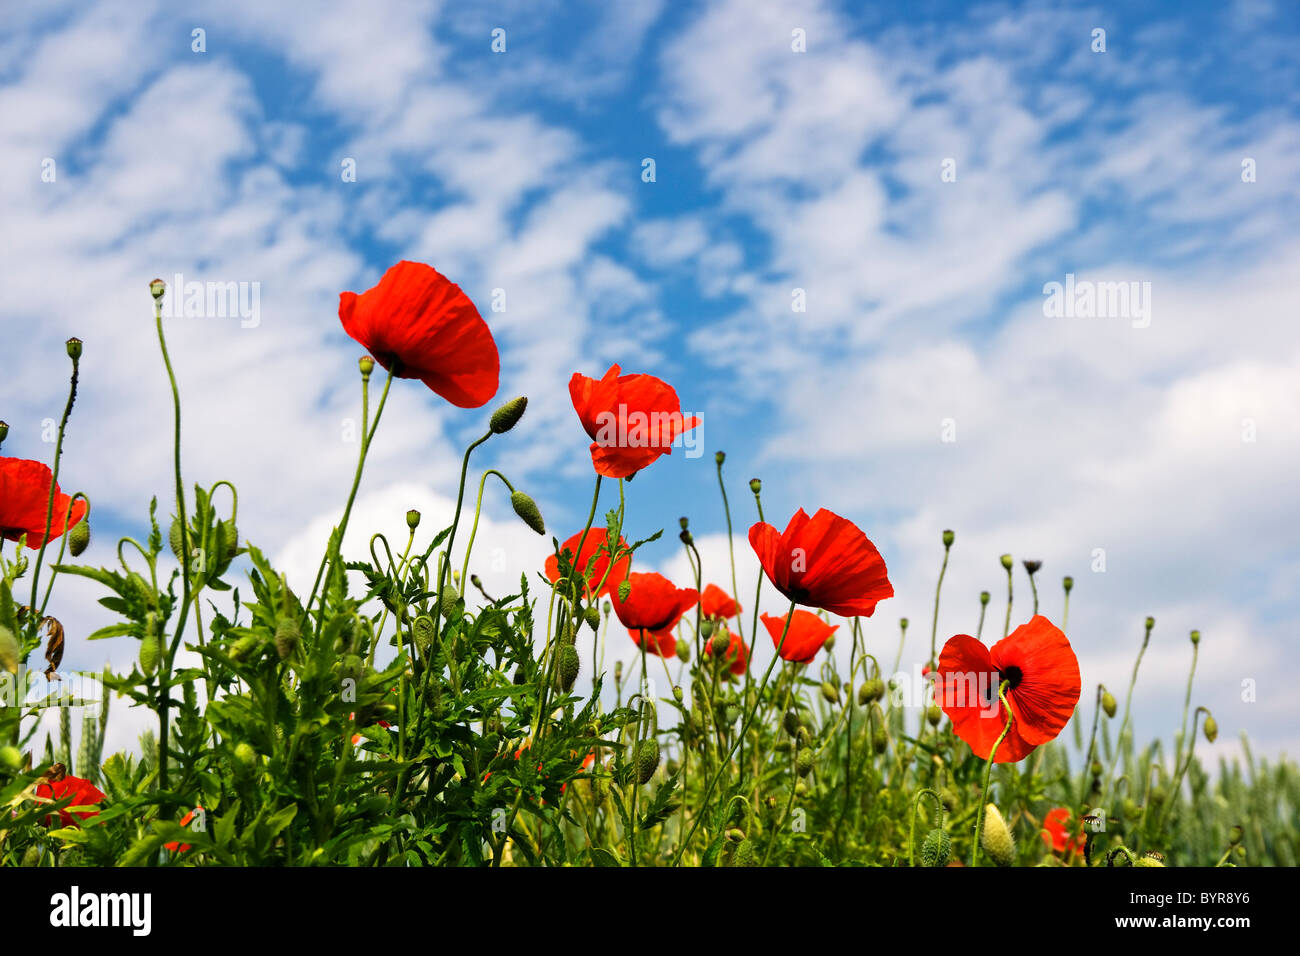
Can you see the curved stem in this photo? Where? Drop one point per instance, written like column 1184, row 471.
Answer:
column 988, row 774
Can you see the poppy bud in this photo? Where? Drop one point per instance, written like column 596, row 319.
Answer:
column 567, row 666
column 802, row 737
column 1211, row 729
column 1158, row 795
column 624, row 589
column 1069, row 584
column 1096, row 768
column 1235, row 835
column 150, row 647
column 4, row 431
column 719, row 644
column 996, row 838
column 803, row 763
column 1131, row 809
column 567, row 635
column 984, row 598
column 366, row 364
column 686, row 538
column 902, row 623
column 743, row 855
column 933, row 714
column 1108, row 703
column 791, row 722
column 246, row 755
column 1149, row 859
column 11, row 759
column 720, row 457
column 647, row 759
column 32, row 858
column 683, row 651
column 74, row 349
column 1006, row 561
column 519, row 676
column 413, row 519
column 1151, row 622
column 706, row 628
column 677, row 693
column 1241, row 852
column 879, row 739
column 735, row 834
column 79, row 538
column 157, row 287
column 448, row 600
column 830, row 642
column 948, row 538
column 755, row 485
column 244, row 647
column 526, row 508
column 830, row 692
column 1196, row 637
column 507, row 416
column 287, row 634
column 936, row 849
column 684, row 522
column 1032, row 567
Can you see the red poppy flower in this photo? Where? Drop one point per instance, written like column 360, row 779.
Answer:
column 422, row 321
column 82, row 792
column 24, row 499
column 178, row 847
column 736, row 652
column 1043, row 677
column 824, row 561
column 805, row 637
column 631, row 419
column 653, row 607
column 593, row 543
column 718, row 604
column 1056, row 832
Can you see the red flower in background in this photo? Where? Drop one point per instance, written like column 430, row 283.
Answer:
column 1056, row 832
column 652, row 609
column 82, row 792
column 717, row 603
column 594, row 542
column 805, row 637
column 24, row 499
column 736, row 651
column 422, row 321
column 824, row 561
column 1042, row 672
column 186, row 820
column 631, row 419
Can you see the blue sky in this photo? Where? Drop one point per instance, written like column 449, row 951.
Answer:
column 776, row 170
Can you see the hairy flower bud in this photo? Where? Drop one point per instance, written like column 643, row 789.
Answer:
column 567, row 665
column 791, row 722
column 1211, row 729
column 150, row 646
column 79, row 538
column 287, row 635
column 683, row 651
column 507, row 416
column 996, row 838
column 447, row 600
column 527, row 509
column 936, row 849
column 592, row 616
column 1108, row 703
column 934, row 714
column 830, row 692
column 647, row 759
column 803, row 763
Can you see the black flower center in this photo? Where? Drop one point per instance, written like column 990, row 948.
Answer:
column 1012, row 675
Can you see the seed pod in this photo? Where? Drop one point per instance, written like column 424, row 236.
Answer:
column 934, row 714
column 706, row 628
column 150, row 647
column 1108, row 703
column 803, row 763
column 830, row 692
column 287, row 635
column 936, row 849
column 79, row 538
column 647, row 759
column 567, row 666
column 1235, row 835
column 1211, row 729
column 879, row 740
column 801, row 789
column 996, row 838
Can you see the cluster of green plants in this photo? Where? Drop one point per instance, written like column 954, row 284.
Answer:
column 396, row 714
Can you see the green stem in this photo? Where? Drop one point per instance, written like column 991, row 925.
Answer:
column 988, row 774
